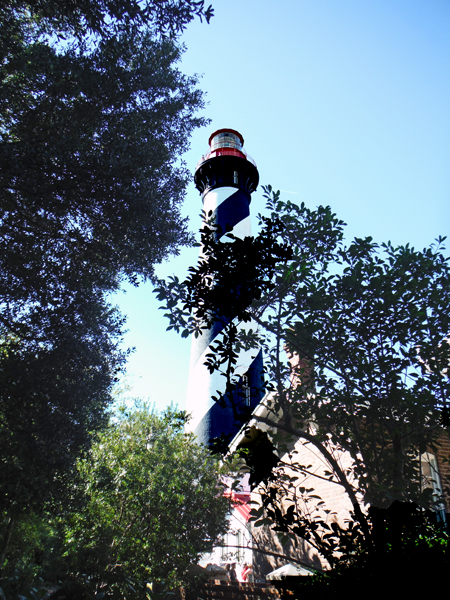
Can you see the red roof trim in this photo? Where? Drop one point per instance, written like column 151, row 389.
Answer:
column 241, row 502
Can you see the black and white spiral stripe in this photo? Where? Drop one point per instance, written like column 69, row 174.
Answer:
column 230, row 208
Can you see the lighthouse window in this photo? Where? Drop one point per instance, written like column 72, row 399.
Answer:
column 236, row 177
column 246, row 389
column 226, row 140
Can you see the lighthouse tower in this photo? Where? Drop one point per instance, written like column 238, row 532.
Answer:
column 225, row 178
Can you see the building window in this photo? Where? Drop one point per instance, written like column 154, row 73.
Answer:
column 431, row 480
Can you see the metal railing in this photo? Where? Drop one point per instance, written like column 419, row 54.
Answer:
column 223, row 151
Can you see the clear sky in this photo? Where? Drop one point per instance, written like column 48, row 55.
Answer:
column 341, row 102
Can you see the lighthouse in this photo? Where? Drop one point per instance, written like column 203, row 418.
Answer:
column 225, row 177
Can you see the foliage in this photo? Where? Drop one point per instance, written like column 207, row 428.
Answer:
column 154, row 502
column 356, row 356
column 409, row 549
column 222, row 288
column 90, row 184
column 32, row 557
column 52, row 397
column 103, row 18
column 94, row 115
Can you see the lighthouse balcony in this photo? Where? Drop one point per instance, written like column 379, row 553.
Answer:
column 223, row 151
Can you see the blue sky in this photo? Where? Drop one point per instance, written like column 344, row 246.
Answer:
column 341, row 102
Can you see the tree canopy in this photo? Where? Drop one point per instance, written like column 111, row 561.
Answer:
column 356, row 357
column 94, row 117
column 83, row 17
column 154, row 503
column 149, row 502
column 91, row 137
column 53, row 396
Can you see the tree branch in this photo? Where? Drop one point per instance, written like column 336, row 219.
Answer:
column 331, row 461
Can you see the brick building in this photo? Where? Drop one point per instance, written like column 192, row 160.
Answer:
column 270, row 554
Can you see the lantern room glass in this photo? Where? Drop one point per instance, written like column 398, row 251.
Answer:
column 226, row 139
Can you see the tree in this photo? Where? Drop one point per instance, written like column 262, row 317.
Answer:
column 91, row 135
column 94, row 116
column 365, row 329
column 79, row 18
column 154, row 503
column 53, row 397
column 407, row 544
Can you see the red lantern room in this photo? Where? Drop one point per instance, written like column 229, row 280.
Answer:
column 226, row 142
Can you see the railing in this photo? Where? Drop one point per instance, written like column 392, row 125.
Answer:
column 238, row 591
column 223, row 151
